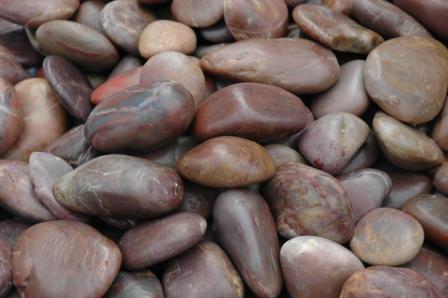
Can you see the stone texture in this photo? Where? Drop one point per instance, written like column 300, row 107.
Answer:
column 11, row 116
column 282, row 154
column 135, row 285
column 89, row 14
column 198, row 13
column 10, row 70
column 440, row 179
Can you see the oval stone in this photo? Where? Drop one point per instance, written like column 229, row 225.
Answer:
column 441, row 179
column 254, row 248
column 247, row 110
column 297, row 65
column 11, row 116
column 282, row 154
column 256, row 19
column 387, row 236
column 382, row 281
column 410, row 92
column 330, row 142
column 70, row 84
column 431, row 211
column 198, row 13
column 120, row 186
column 140, row 118
column 159, row 240
column 123, row 22
column 135, row 285
column 335, row 30
column 10, row 70
column 78, row 43
column 203, row 271
column 404, row 146
column 306, row 201
column 227, row 162
column 316, row 267
column 89, row 14
column 88, row 258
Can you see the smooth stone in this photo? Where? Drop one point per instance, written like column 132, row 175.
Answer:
column 387, row 236
column 161, row 239
column 433, row 266
column 123, row 22
column 198, row 199
column 347, row 95
column 227, row 162
column 11, row 116
column 5, row 269
column 339, row 6
column 86, row 268
column 386, row 19
column 331, row 141
column 32, row 13
column 45, row 170
column 135, row 285
column 256, row 19
column 10, row 70
column 89, row 14
column 198, row 13
column 126, row 63
column 44, row 118
column 78, row 43
column 165, row 35
column 282, row 154
column 116, row 84
column 316, row 267
column 217, row 33
column 120, row 186
column 335, row 30
column 440, row 179
column 440, row 130
column 73, row 147
column 365, row 157
column 140, row 118
column 254, row 249
column 70, row 84
column 306, row 201
column 203, row 271
column 366, row 189
column 404, row 146
column 410, row 92
column 297, row 65
column 245, row 110
column 383, row 281
column 10, row 231
column 174, row 66
column 431, row 211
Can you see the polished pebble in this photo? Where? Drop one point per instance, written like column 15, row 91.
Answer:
column 135, row 285
column 89, row 14
column 198, row 13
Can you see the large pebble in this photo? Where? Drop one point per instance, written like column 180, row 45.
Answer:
column 89, row 14
column 82, row 261
column 198, row 13
column 297, row 65
column 227, row 162
column 387, row 236
column 316, row 267
column 408, row 78
column 306, row 201
column 254, row 249
column 120, row 186
column 10, row 70
column 11, row 116
column 135, row 285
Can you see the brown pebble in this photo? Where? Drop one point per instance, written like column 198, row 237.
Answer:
column 198, row 13
column 135, row 285
column 282, row 154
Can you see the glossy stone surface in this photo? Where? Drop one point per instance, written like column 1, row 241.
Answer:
column 282, row 154
column 248, row 19
column 306, row 201
column 347, row 95
column 78, row 43
column 382, row 281
column 316, row 267
column 45, row 170
column 366, row 189
column 198, row 199
column 70, row 84
column 441, row 179
column 259, row 112
column 331, row 141
column 227, row 162
column 198, row 13
column 10, row 231
column 5, row 269
column 123, row 22
column 89, row 14
column 365, row 157
column 404, row 146
column 140, row 118
column 44, row 118
column 431, row 211
column 410, row 92
column 297, row 65
column 335, row 30
column 387, row 236
column 10, row 70
column 254, row 248
column 11, row 116
column 120, row 186
column 32, row 13
column 386, row 19
column 135, row 285
column 165, row 35
column 89, row 258
column 203, row 271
